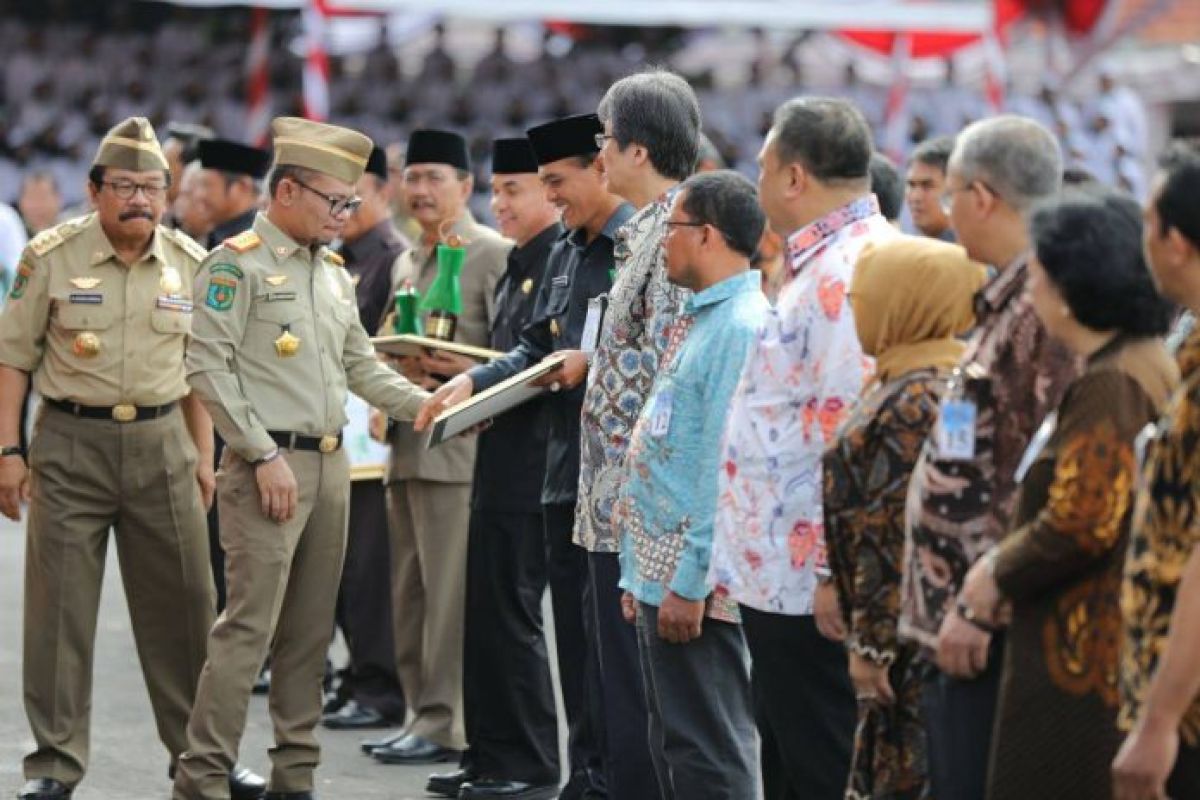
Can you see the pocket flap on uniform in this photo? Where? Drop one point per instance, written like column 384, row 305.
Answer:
column 166, row 320
column 75, row 317
column 279, row 312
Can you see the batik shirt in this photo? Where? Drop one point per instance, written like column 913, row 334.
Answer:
column 801, row 378
column 1166, row 529
column 642, row 307
column 669, row 498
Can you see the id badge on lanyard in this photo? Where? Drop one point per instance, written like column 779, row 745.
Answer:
column 591, row 325
column 954, row 434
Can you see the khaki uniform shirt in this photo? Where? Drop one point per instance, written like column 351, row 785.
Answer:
column 94, row 331
column 277, row 343
column 487, row 259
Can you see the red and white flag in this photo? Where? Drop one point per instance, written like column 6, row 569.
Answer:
column 258, row 79
column 316, row 60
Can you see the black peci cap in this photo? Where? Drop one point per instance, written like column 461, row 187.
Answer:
column 377, row 163
column 230, row 156
column 513, row 157
column 566, row 137
column 429, row 146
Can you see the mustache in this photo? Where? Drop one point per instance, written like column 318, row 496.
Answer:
column 125, row 216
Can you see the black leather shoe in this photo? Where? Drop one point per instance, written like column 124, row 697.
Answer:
column 511, row 790
column 369, row 746
column 245, row 785
column 44, row 789
column 447, row 784
column 355, row 717
column 262, row 684
column 414, row 750
column 289, row 796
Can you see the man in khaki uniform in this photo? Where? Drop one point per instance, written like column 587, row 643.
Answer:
column 99, row 317
column 277, row 343
column 429, row 491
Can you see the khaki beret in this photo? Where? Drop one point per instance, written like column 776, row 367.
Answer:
column 132, row 145
column 338, row 152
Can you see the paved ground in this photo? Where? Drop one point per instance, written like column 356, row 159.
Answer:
column 127, row 760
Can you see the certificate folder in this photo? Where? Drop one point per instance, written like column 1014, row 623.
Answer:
column 409, row 344
column 492, row 402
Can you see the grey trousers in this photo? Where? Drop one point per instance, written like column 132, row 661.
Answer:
column 701, row 712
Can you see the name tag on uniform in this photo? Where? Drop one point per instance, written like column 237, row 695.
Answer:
column 955, row 431
column 591, row 326
column 173, row 303
column 274, row 297
column 560, row 280
column 86, row 298
column 660, row 417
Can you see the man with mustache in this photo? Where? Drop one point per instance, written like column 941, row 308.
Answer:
column 277, row 344
column 98, row 319
column 429, row 491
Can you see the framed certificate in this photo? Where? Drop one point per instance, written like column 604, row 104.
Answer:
column 492, row 402
column 368, row 458
column 409, row 344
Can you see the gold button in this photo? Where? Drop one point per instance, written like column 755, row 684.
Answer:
column 124, row 412
column 328, row 444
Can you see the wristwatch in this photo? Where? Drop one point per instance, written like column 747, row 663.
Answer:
column 12, row 450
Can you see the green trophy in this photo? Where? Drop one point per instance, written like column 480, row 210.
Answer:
column 443, row 301
column 406, row 319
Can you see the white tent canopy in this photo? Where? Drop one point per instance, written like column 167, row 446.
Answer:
column 959, row 16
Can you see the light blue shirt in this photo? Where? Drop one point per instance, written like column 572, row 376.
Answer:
column 669, row 499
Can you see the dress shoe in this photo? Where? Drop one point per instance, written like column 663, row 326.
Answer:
column 245, row 785
column 44, row 789
column 447, row 784
column 355, row 717
column 289, row 796
column 413, row 750
column 369, row 746
column 510, row 790
column 262, row 684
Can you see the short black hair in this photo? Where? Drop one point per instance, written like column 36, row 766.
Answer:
column 1178, row 201
column 280, row 172
column 887, row 185
column 933, row 152
column 828, row 136
column 728, row 201
column 658, row 110
column 97, row 172
column 1090, row 244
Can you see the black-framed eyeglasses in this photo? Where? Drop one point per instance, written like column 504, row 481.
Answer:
column 601, row 138
column 337, row 205
column 947, row 198
column 125, row 190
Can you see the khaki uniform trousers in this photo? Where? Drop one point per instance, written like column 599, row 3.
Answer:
column 282, row 583
column 428, row 523
column 138, row 478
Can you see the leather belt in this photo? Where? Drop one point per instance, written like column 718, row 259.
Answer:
column 123, row 412
column 295, row 441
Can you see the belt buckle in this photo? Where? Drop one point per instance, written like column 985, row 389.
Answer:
column 124, row 412
column 328, row 444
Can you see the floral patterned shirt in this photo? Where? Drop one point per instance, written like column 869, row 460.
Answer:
column 1165, row 530
column 642, row 307
column 669, row 498
column 801, row 379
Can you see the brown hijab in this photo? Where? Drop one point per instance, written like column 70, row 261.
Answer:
column 912, row 297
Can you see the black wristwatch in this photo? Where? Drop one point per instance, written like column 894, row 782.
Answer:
column 12, row 450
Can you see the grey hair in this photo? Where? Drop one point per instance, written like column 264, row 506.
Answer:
column 658, row 110
column 1016, row 157
column 827, row 136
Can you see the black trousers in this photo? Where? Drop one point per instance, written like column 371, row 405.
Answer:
column 1184, row 781
column 567, row 571
column 508, row 695
column 622, row 723
column 804, row 706
column 959, row 716
column 701, row 713
column 364, row 606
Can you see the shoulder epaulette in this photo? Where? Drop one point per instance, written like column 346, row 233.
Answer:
column 186, row 243
column 335, row 258
column 246, row 240
column 51, row 238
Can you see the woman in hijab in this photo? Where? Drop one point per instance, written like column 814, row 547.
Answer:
column 912, row 300
column 1060, row 567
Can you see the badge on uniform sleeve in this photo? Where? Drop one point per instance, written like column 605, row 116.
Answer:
column 287, row 345
column 22, row 280
column 170, row 281
column 86, row 344
column 222, row 286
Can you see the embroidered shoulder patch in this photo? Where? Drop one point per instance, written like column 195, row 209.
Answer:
column 244, row 241
column 225, row 268
column 221, row 291
column 22, row 280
